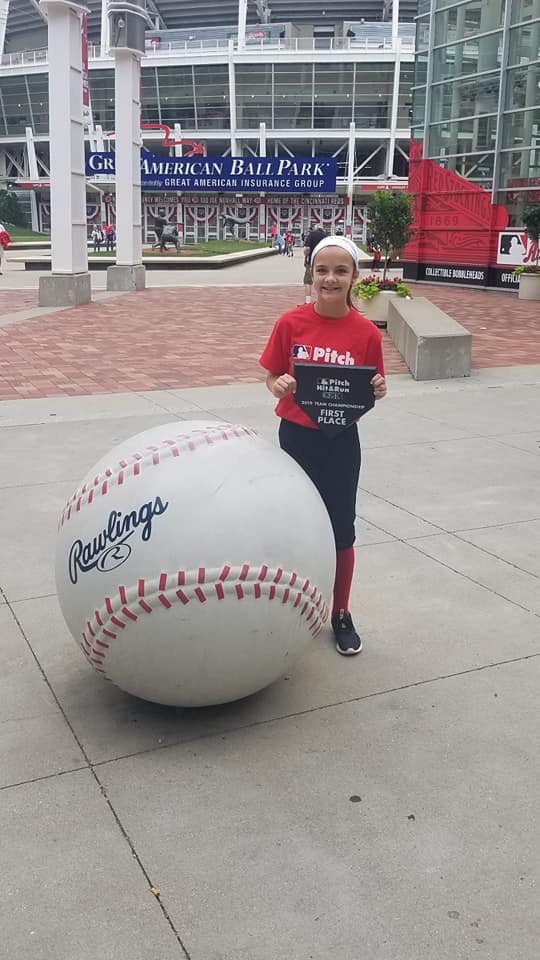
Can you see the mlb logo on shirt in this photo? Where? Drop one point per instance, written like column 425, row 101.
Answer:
column 301, row 352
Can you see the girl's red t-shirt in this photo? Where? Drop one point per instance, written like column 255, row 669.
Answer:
column 302, row 335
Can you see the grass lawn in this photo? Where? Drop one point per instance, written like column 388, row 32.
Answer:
column 21, row 233
column 214, row 248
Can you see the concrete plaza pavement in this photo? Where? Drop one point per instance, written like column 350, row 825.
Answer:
column 381, row 807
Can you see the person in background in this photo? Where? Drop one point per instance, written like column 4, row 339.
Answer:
column 376, row 259
column 280, row 241
column 109, row 237
column 289, row 243
column 311, row 239
column 97, row 238
column 5, row 240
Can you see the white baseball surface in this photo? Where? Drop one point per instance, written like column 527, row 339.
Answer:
column 194, row 564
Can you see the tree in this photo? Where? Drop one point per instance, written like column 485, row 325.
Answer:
column 10, row 209
column 531, row 222
column 391, row 219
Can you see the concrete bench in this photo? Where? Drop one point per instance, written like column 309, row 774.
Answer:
column 434, row 346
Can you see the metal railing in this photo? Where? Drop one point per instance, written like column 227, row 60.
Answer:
column 300, row 45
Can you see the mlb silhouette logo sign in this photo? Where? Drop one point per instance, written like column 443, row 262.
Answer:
column 513, row 248
column 302, row 352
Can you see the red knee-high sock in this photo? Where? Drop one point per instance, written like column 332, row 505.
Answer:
column 343, row 581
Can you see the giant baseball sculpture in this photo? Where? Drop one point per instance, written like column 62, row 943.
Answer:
column 194, row 563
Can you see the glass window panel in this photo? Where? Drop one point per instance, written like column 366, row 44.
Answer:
column 254, row 94
column 175, row 85
column 520, row 165
column 16, row 106
column 404, row 116
column 420, row 69
column 424, row 6
column 518, row 199
column 470, row 56
column 468, row 19
column 462, row 136
column 149, row 97
column 38, row 88
column 521, row 129
column 523, row 87
column 419, row 108
column 293, row 95
column 373, row 95
column 422, row 33
column 101, row 83
column 334, row 95
column 524, row 10
column 524, row 44
column 212, row 93
column 465, row 97
column 472, row 166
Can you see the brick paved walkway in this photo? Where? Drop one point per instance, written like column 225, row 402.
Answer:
column 186, row 337
column 12, row 300
column 506, row 330
column 159, row 339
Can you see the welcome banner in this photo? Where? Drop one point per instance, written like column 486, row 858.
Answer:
column 225, row 174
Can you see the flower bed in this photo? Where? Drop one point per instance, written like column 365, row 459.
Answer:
column 369, row 287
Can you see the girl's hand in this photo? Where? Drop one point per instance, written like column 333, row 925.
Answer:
column 379, row 386
column 283, row 385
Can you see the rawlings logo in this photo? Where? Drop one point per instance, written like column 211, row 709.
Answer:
column 110, row 548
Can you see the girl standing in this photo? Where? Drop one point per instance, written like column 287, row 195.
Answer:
column 332, row 464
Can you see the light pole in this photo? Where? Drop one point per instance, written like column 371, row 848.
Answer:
column 69, row 281
column 126, row 37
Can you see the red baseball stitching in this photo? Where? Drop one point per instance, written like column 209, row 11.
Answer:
column 198, row 586
column 151, row 456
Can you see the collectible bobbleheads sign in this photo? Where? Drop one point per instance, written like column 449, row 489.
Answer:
column 334, row 396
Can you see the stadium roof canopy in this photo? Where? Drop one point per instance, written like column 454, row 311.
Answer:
column 24, row 15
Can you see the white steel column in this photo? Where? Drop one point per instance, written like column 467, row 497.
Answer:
column 500, row 107
column 391, row 149
column 350, row 179
column 105, row 35
column 262, row 206
column 127, row 67
column 395, row 21
column 70, row 280
column 31, row 152
column 262, row 139
column 4, row 11
column 178, row 149
column 33, row 171
column 242, row 18
column 34, row 211
column 232, row 99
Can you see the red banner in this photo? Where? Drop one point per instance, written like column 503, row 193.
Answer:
column 455, row 220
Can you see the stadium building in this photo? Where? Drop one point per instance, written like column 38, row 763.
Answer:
column 297, row 79
column 475, row 160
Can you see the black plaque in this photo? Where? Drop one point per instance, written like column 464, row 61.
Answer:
column 332, row 395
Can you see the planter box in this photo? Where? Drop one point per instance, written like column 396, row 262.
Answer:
column 377, row 308
column 529, row 286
